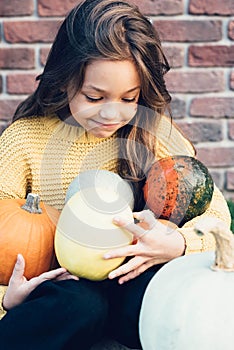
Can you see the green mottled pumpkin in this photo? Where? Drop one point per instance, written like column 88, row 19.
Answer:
column 178, row 188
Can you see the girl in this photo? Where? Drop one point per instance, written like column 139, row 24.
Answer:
column 101, row 102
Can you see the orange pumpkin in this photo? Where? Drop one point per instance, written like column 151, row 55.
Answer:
column 26, row 227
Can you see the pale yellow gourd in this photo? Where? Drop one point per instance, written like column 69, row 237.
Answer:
column 85, row 231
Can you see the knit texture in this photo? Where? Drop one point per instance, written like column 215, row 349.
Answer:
column 43, row 155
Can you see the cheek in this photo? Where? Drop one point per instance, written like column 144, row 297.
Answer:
column 82, row 110
column 129, row 111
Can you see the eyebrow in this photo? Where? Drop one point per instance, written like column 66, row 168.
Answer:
column 101, row 90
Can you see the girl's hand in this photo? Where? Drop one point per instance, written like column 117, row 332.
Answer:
column 19, row 287
column 156, row 243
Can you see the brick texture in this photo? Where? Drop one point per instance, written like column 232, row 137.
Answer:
column 17, row 58
column 212, row 7
column 178, row 107
column 52, row 8
column 21, row 83
column 13, row 8
column 216, row 157
column 215, row 107
column 189, row 31
column 232, row 80
column 159, row 7
column 195, row 81
column 231, row 30
column 3, row 126
column 43, row 55
column 7, row 108
column 230, row 180
column 198, row 40
column 175, row 55
column 31, row 31
column 205, row 131
column 211, row 56
column 231, row 130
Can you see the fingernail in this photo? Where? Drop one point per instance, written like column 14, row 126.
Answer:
column 116, row 219
column 112, row 275
column 106, row 256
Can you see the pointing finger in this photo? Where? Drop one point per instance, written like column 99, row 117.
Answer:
column 50, row 275
column 147, row 217
column 136, row 230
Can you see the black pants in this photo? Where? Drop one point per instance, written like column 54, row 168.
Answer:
column 71, row 314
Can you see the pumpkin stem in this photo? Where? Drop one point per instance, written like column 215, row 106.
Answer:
column 224, row 239
column 32, row 204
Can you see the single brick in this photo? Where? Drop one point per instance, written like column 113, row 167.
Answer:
column 231, row 130
column 194, row 82
column 17, row 58
column 16, row 8
column 159, row 7
column 202, row 131
column 216, row 157
column 212, row 7
column 211, row 56
column 21, row 83
column 214, row 107
column 232, row 80
column 31, row 31
column 217, row 178
column 230, row 180
column 189, row 31
column 44, row 54
column 7, row 109
column 52, row 8
column 174, row 55
column 178, row 107
column 231, row 30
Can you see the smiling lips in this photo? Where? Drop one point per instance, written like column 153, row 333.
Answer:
column 106, row 126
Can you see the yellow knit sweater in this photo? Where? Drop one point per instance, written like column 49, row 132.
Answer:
column 43, row 155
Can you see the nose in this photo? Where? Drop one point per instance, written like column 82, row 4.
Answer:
column 110, row 111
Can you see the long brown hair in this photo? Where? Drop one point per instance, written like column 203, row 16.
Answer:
column 114, row 30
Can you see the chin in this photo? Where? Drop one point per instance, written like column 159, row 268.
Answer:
column 102, row 133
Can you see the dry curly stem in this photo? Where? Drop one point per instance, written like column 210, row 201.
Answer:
column 224, row 238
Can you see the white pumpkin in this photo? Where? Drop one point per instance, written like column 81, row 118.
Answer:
column 189, row 303
column 101, row 178
column 85, row 231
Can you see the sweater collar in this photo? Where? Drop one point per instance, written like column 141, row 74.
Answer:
column 71, row 131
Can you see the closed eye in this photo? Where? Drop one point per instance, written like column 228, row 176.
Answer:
column 97, row 99
column 129, row 100
column 93, row 99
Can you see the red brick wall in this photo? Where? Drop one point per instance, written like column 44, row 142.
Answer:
column 198, row 37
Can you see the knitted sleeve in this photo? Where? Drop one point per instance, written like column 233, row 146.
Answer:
column 13, row 164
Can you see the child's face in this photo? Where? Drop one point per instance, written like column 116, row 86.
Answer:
column 108, row 98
